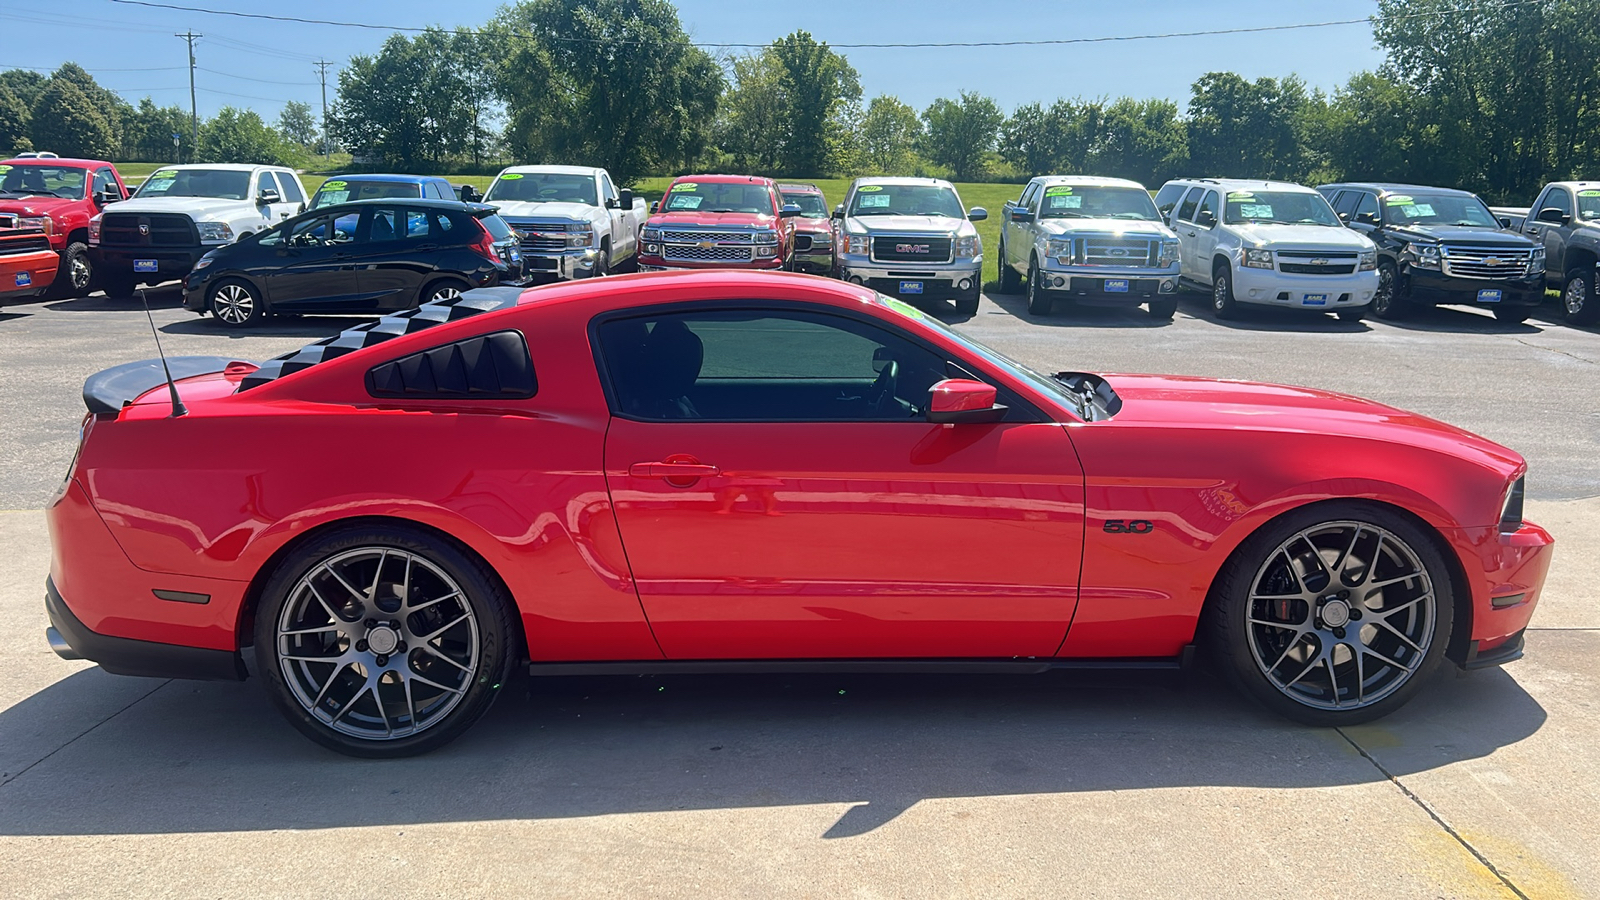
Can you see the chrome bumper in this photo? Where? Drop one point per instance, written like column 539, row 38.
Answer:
column 563, row 264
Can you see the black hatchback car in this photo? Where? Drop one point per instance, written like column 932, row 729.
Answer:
column 1438, row 245
column 370, row 256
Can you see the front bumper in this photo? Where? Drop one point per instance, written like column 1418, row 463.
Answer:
column 1506, row 572
column 1111, row 283
column 171, row 262
column 565, row 265
column 28, row 273
column 936, row 279
column 71, row 639
column 1274, row 288
column 817, row 263
column 657, row 264
column 1434, row 287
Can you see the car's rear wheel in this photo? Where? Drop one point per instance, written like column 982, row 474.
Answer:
column 1039, row 300
column 75, row 276
column 1386, row 300
column 1577, row 298
column 236, row 304
column 383, row 641
column 1222, row 302
column 444, row 289
column 1334, row 614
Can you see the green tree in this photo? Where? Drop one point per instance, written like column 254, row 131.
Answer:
column 613, row 83
column 1247, row 129
column 961, row 133
column 1144, row 140
column 407, row 105
column 1054, row 140
column 111, row 107
column 147, row 134
column 753, row 117
column 25, row 83
column 13, row 120
column 65, row 121
column 297, row 124
column 819, row 86
column 889, row 136
column 239, row 136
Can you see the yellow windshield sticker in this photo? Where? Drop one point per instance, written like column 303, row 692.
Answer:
column 1398, row 201
column 511, row 176
column 332, row 185
column 5, row 168
column 1241, row 195
column 1589, row 193
column 902, row 307
column 686, row 186
column 869, row 188
column 1057, row 191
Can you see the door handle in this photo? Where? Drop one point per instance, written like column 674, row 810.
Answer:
column 1189, row 234
column 672, row 470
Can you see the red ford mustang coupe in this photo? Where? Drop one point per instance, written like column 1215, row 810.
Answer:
column 740, row 471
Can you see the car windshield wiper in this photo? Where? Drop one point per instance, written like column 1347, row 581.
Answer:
column 1066, row 215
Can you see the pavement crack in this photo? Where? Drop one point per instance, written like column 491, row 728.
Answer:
column 1575, row 356
column 135, row 701
column 1423, row 805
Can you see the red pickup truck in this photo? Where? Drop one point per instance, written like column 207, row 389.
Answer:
column 719, row 222
column 45, row 206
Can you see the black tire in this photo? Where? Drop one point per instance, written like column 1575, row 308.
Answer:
column 75, row 274
column 442, row 289
column 1010, row 281
column 602, row 262
column 1242, row 632
column 1512, row 315
column 1039, row 300
column 1353, row 313
column 457, row 696
column 1578, row 303
column 117, row 286
column 236, row 303
column 1222, row 300
column 967, row 304
column 1162, row 310
column 1388, row 302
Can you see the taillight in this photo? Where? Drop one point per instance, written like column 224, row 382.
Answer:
column 485, row 244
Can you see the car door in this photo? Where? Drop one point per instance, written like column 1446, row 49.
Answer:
column 1189, row 237
column 276, row 211
column 1553, row 234
column 622, row 236
column 1208, row 237
column 307, row 265
column 1019, row 236
column 397, row 254
column 780, row 495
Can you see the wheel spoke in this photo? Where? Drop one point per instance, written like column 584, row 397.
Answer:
column 1344, row 555
column 446, row 627
column 1386, row 613
column 1333, row 676
column 1271, row 624
column 431, row 683
column 326, row 686
column 429, row 603
column 438, row 654
column 1303, row 672
column 320, row 629
column 1361, row 674
column 377, row 577
column 345, row 584
column 333, row 616
column 1384, row 624
column 1285, row 654
column 343, row 657
column 1390, row 662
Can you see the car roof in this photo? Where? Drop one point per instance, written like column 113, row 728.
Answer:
column 1095, row 180
column 799, row 188
column 66, row 162
column 901, row 179
column 552, row 170
column 1586, row 185
column 386, row 178
column 1390, row 187
column 1253, row 183
column 431, row 202
column 228, row 167
column 725, row 179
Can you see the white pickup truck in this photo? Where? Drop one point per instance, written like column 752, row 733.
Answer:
column 573, row 221
column 1082, row 236
column 182, row 212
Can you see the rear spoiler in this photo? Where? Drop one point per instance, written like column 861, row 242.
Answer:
column 118, row 386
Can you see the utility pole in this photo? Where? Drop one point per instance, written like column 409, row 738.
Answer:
column 322, row 72
column 194, row 113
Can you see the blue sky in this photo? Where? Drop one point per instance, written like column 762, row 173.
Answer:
column 261, row 64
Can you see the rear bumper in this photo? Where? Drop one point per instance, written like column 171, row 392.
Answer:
column 28, row 273
column 71, row 639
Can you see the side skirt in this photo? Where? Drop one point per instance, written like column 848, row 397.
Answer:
column 1025, row 666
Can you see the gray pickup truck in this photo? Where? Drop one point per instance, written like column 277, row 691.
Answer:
column 910, row 237
column 1081, row 236
column 1566, row 217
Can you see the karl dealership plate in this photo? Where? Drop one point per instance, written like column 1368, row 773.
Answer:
column 144, row 265
column 1315, row 300
column 1116, row 285
column 1489, row 295
column 910, row 287
column 24, row 279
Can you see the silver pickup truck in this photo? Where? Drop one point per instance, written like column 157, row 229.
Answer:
column 910, row 237
column 1082, row 236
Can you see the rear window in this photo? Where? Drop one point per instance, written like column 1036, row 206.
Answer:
column 497, row 227
column 345, row 189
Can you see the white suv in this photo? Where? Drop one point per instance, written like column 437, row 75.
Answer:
column 1270, row 243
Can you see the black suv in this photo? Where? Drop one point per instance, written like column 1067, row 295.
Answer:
column 1438, row 245
column 370, row 256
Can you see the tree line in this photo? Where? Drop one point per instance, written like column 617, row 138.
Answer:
column 1489, row 97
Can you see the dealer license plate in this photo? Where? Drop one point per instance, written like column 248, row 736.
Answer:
column 1315, row 300
column 910, row 287
column 1116, row 285
column 24, row 279
column 1489, row 295
column 144, row 265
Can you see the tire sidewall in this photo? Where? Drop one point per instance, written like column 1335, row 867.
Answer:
column 497, row 650
column 1222, row 302
column 426, row 296
column 1227, row 634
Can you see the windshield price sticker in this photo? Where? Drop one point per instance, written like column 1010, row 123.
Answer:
column 685, row 201
column 333, row 185
column 879, row 202
column 1241, row 195
column 1419, row 211
column 901, row 307
column 1063, row 201
column 1058, row 189
column 511, row 176
column 1399, row 201
column 1589, row 193
column 5, row 169
column 1255, row 210
column 686, row 186
column 869, row 188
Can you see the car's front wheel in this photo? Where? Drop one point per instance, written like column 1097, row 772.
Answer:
column 1578, row 298
column 1386, row 301
column 75, row 277
column 1040, row 303
column 1334, row 614
column 1164, row 309
column 383, row 641
column 1222, row 301
column 236, row 304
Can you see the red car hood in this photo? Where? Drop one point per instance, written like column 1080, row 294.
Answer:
column 1183, row 400
column 812, row 226
column 34, row 206
column 699, row 218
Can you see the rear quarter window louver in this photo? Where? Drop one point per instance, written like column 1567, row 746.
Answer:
column 470, row 303
column 490, row 366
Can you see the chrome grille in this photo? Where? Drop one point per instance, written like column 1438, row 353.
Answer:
column 923, row 248
column 1317, row 262
column 694, row 237
column 697, row 253
column 1113, row 251
column 1485, row 262
column 540, row 237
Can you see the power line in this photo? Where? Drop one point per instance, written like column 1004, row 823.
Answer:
column 49, row 69
column 1507, row 4
column 261, row 80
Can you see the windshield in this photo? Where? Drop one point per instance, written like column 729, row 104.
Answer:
column 1071, row 201
column 224, row 184
column 333, row 192
column 906, row 200
column 717, row 197
column 1437, row 209
column 532, row 187
column 812, row 206
column 1280, row 208
column 41, row 181
column 1588, row 205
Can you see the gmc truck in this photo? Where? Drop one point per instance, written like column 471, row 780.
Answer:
column 1566, row 219
column 720, row 222
column 46, row 204
column 910, row 237
column 1082, row 236
column 180, row 213
column 573, row 221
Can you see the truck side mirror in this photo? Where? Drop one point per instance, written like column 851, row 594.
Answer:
column 1205, row 219
column 977, row 214
column 268, row 195
column 1021, row 214
column 655, row 205
column 789, row 211
column 1551, row 214
column 468, row 194
column 108, row 195
column 838, row 212
column 625, row 198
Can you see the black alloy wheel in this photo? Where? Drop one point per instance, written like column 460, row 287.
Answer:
column 1040, row 303
column 1386, row 300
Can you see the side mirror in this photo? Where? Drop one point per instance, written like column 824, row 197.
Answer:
column 959, row 401
column 838, row 212
column 789, row 211
column 468, row 194
column 1205, row 219
column 1344, row 217
column 109, row 195
column 977, row 214
column 268, row 195
column 1551, row 214
column 1367, row 219
column 1021, row 214
column 655, row 205
column 625, row 198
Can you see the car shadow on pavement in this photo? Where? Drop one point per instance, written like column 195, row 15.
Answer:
column 1080, row 313
column 1469, row 320
column 193, row 757
column 1255, row 317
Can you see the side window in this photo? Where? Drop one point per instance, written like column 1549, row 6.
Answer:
column 1030, row 197
column 437, row 190
column 265, row 182
column 416, row 224
column 1210, row 205
column 309, row 233
column 291, row 189
column 104, row 181
column 344, row 228
column 765, row 366
column 1187, row 209
column 607, row 190
column 1167, row 198
column 388, row 224
column 1557, row 198
column 443, row 225
column 1345, row 203
column 1367, row 208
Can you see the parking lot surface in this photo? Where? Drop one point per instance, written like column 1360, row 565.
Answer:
column 839, row 786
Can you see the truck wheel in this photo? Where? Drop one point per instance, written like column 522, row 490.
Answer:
column 1163, row 310
column 75, row 276
column 1222, row 302
column 1577, row 298
column 602, row 263
column 1039, row 300
column 1010, row 281
column 1386, row 301
column 235, row 304
column 1353, row 313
